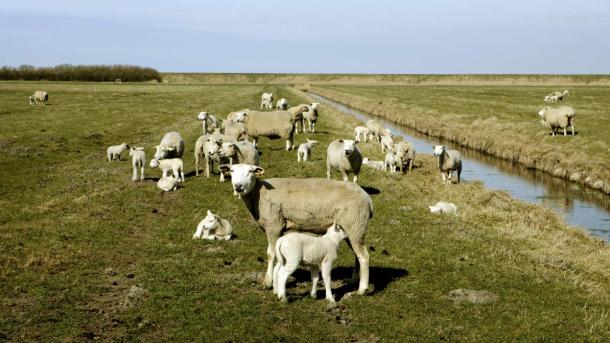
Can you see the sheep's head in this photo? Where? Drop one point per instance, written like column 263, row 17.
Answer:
column 314, row 105
column 543, row 111
column 438, row 150
column 311, row 142
column 202, row 116
column 336, row 232
column 365, row 160
column 243, row 176
column 154, row 163
column 213, row 144
column 210, row 221
column 348, row 146
column 227, row 149
column 240, row 117
column 162, row 151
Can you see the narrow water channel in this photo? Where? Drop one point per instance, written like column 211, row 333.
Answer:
column 579, row 205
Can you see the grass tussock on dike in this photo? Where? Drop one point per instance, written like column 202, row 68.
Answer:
column 500, row 121
column 86, row 253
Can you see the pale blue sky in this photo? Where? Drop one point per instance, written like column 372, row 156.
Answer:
column 381, row 36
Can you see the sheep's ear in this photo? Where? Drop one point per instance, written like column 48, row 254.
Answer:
column 258, row 170
column 224, row 168
column 341, row 141
column 209, row 213
column 431, row 207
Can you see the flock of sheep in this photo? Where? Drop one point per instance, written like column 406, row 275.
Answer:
column 560, row 117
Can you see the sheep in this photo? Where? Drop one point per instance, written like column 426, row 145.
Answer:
column 379, row 165
column 448, row 162
column 361, row 131
column 267, row 101
column 297, row 113
column 234, row 131
column 282, row 104
column 444, row 207
column 168, row 183
column 276, row 124
column 344, row 156
column 237, row 117
column 171, row 146
column 174, row 164
column 309, row 205
column 209, row 122
column 560, row 95
column 239, row 152
column 138, row 159
column 405, row 153
column 376, row 129
column 313, row 253
column 312, row 117
column 114, row 151
column 208, row 147
column 387, row 143
column 222, row 229
column 560, row 117
column 305, row 149
column 39, row 97
column 391, row 161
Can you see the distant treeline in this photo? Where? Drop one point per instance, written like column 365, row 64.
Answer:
column 92, row 73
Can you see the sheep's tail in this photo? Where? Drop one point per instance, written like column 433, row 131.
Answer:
column 278, row 254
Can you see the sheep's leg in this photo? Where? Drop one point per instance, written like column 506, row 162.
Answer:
column 459, row 172
column 345, row 178
column 315, row 278
column 298, row 157
column 355, row 178
column 276, row 274
column 142, row 172
column 182, row 174
column 326, row 268
column 328, row 172
column 164, row 172
column 443, row 175
column 196, row 164
column 362, row 256
column 314, row 127
column 109, row 157
column 565, row 131
column 207, row 166
column 135, row 174
column 285, row 272
column 199, row 231
column 272, row 235
column 305, row 156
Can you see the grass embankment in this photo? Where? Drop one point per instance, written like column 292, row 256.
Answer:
column 76, row 234
column 500, row 121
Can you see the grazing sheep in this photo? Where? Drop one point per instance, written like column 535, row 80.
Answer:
column 282, row 104
column 234, row 131
column 376, row 129
column 448, row 162
column 171, row 146
column 387, row 143
column 39, row 97
column 239, row 152
column 267, row 101
column 314, row 253
column 405, row 153
column 138, row 159
column 309, row 205
column 344, row 156
column 222, row 229
column 391, row 161
column 209, row 122
column 208, row 147
column 276, row 124
column 379, row 165
column 305, row 149
column 114, row 151
column 174, row 164
column 560, row 95
column 444, row 207
column 361, row 131
column 558, row 118
column 168, row 183
column 312, row 116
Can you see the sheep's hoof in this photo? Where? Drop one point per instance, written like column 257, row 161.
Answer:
column 284, row 300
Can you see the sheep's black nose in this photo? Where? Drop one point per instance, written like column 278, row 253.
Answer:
column 239, row 188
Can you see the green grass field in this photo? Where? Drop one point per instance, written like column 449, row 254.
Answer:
column 76, row 234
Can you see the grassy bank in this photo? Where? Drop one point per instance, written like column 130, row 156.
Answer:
column 76, row 235
column 500, row 121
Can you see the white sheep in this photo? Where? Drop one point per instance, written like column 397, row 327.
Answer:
column 213, row 227
column 138, row 159
column 208, row 147
column 313, row 253
column 174, row 164
column 267, row 101
column 275, row 124
column 309, row 205
column 558, row 118
column 376, row 129
column 171, row 146
column 387, row 143
column 361, row 131
column 379, row 165
column 234, row 131
column 444, row 207
column 391, row 161
column 282, row 104
column 237, row 117
column 209, row 122
column 448, row 162
column 239, row 152
column 344, row 156
column 114, row 151
column 312, row 117
column 39, row 97
column 405, row 153
column 305, row 150
column 168, row 183
column 560, row 95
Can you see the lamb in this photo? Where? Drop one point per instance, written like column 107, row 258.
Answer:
column 405, row 153
column 560, row 95
column 171, row 146
column 209, row 122
column 208, row 147
column 267, row 101
column 444, row 207
column 560, row 117
column 168, row 183
column 313, row 253
column 309, row 205
column 361, row 131
column 305, row 149
column 344, row 156
column 282, row 104
column 239, row 152
column 222, row 229
column 114, row 151
column 376, row 129
column 234, row 131
column 312, row 117
column 391, row 161
column 138, row 159
column 387, row 143
column 174, row 164
column 39, row 97
column 379, row 165
column 276, row 124
column 448, row 162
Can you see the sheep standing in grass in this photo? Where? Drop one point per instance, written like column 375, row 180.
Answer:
column 387, row 143
column 309, row 205
column 405, row 153
column 114, row 151
column 209, row 122
column 138, row 159
column 379, row 165
column 312, row 116
column 234, row 131
column 560, row 95
column 282, row 104
column 276, row 124
column 391, row 161
column 171, row 146
column 208, row 147
column 448, row 162
column 313, row 253
column 305, row 149
column 267, row 101
column 344, row 156
column 558, row 118
column 239, row 152
column 361, row 131
column 174, row 164
column 168, row 183
column 39, row 97
column 213, row 227
column 376, row 129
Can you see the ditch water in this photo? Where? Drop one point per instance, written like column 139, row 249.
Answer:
column 579, row 205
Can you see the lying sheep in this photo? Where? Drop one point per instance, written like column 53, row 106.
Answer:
column 234, row 131
column 171, row 146
column 282, row 104
column 379, row 165
column 314, row 253
column 168, row 183
column 239, row 152
column 444, row 207
column 448, row 162
column 276, row 124
column 174, row 164
column 405, row 153
column 305, row 149
column 208, row 147
column 361, row 131
column 209, row 122
column 387, row 143
column 391, row 161
column 39, row 97
column 213, row 227
column 114, row 151
column 309, row 205
column 344, row 156
column 138, row 159
column 267, row 101
column 558, row 118
column 376, row 129
column 312, row 117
